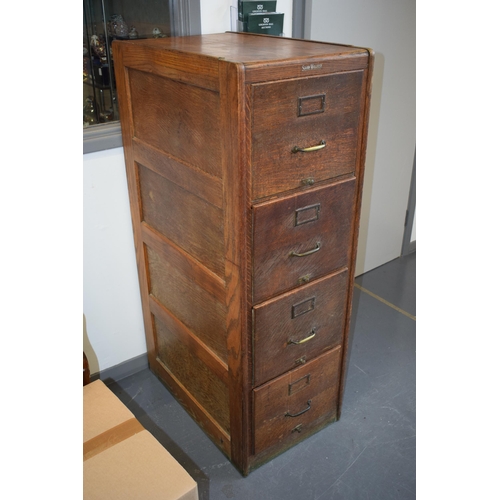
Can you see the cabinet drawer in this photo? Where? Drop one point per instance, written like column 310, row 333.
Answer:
column 302, row 113
column 296, row 402
column 299, row 238
column 295, row 327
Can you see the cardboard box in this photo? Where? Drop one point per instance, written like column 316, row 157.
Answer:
column 266, row 24
column 121, row 460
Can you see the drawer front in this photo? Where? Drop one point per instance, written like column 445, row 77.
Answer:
column 302, row 237
column 302, row 113
column 293, row 328
column 296, row 402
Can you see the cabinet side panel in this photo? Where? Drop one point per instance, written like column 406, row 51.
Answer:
column 177, row 118
column 172, row 143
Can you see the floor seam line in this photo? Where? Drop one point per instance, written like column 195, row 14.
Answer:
column 386, row 302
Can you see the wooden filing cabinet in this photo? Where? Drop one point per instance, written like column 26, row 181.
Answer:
column 245, row 157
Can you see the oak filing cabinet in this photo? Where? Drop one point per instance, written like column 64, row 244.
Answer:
column 245, row 157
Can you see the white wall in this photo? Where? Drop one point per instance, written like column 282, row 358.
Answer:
column 113, row 326
column 388, row 27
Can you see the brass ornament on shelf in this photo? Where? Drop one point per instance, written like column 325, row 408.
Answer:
column 90, row 113
column 86, row 68
column 98, row 45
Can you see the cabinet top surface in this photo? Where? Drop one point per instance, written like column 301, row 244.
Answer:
column 250, row 49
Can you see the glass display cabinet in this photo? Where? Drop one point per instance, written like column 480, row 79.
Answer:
column 103, row 22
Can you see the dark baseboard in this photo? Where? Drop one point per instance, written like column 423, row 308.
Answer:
column 122, row 370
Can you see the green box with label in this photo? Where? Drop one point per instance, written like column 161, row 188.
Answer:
column 266, row 24
column 246, row 7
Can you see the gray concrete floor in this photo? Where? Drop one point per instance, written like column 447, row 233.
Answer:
column 368, row 454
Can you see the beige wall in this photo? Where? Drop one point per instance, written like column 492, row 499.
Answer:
column 388, row 27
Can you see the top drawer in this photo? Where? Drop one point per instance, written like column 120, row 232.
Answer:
column 304, row 113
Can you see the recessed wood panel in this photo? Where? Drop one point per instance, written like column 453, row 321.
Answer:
column 189, row 221
column 193, row 180
column 210, row 392
column 172, row 116
column 188, row 301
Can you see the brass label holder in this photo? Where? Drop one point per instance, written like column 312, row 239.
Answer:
column 307, row 214
column 303, row 307
column 311, row 105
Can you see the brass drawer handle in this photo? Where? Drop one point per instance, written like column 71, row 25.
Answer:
column 297, row 342
column 321, row 145
column 288, row 414
column 309, row 252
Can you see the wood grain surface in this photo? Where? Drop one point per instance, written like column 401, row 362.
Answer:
column 315, row 309
column 278, row 129
column 276, row 235
column 245, row 245
column 277, row 402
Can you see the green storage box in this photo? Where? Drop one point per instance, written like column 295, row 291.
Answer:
column 246, row 7
column 265, row 24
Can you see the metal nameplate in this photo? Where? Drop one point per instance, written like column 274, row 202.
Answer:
column 303, row 307
column 309, row 67
column 299, row 384
column 311, row 104
column 307, row 214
